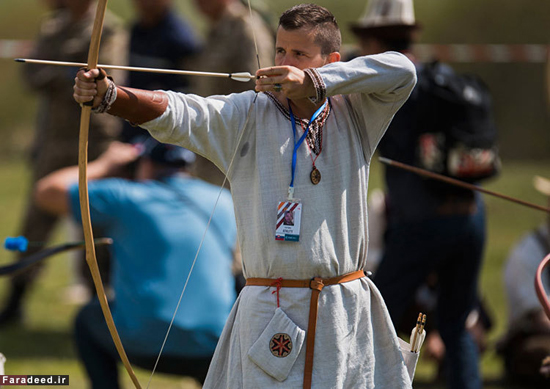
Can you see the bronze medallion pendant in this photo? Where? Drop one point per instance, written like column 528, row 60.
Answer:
column 315, row 176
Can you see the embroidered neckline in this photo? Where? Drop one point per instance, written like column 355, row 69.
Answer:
column 315, row 134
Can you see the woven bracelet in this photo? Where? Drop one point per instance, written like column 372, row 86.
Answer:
column 108, row 99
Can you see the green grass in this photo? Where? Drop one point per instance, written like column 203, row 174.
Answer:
column 507, row 222
column 45, row 345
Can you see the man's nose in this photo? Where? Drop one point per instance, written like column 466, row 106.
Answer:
column 286, row 60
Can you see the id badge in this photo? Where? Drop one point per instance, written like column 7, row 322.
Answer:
column 289, row 216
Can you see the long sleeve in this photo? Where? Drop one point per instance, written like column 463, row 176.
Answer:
column 389, row 76
column 207, row 126
column 383, row 81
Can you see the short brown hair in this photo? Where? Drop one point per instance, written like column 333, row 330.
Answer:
column 314, row 17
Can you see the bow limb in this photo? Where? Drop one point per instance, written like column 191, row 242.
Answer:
column 539, row 286
column 93, row 56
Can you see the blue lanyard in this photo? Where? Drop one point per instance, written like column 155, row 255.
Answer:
column 300, row 141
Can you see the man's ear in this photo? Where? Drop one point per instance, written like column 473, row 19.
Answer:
column 334, row 57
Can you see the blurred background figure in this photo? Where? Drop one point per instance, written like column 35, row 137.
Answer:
column 159, row 38
column 527, row 340
column 480, row 319
column 64, row 35
column 230, row 48
column 433, row 230
column 156, row 223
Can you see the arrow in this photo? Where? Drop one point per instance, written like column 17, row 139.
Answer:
column 241, row 77
column 452, row 181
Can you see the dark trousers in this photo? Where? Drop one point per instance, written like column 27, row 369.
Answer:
column 98, row 353
column 452, row 247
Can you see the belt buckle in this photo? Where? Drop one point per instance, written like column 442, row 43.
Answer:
column 316, row 283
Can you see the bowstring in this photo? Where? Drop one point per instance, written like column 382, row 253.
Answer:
column 254, row 34
column 213, row 209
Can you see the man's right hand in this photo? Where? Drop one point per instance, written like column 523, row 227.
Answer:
column 86, row 88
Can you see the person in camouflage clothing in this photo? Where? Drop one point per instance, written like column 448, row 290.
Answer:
column 64, row 35
column 229, row 48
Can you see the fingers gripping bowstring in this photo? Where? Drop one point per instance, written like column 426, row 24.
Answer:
column 211, row 213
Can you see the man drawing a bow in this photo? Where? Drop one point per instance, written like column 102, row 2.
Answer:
column 303, row 144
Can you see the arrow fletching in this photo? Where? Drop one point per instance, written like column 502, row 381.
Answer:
column 242, row 77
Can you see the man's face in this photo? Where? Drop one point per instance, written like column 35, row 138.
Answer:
column 289, row 218
column 298, row 48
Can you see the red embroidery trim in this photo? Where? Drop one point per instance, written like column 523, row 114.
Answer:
column 313, row 149
column 314, row 139
column 277, row 283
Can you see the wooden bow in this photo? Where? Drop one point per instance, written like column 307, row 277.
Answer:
column 539, row 287
column 93, row 56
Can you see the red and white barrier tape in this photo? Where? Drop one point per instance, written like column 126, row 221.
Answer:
column 466, row 53
column 501, row 53
column 488, row 53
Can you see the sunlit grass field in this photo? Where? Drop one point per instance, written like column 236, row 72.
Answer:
column 44, row 344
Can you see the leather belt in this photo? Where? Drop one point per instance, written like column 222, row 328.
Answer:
column 316, row 284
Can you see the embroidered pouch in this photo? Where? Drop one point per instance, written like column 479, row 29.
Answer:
column 278, row 346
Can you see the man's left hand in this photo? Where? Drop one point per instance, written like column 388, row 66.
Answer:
column 289, row 80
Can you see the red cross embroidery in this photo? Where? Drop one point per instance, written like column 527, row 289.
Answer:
column 280, row 345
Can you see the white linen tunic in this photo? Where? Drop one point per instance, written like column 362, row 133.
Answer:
column 356, row 345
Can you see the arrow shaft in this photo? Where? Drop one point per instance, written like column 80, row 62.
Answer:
column 455, row 182
column 136, row 69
